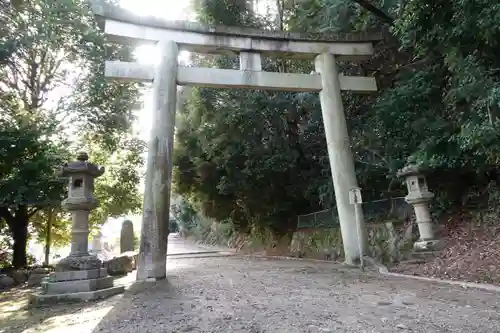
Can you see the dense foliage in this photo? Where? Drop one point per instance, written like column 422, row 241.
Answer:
column 258, row 159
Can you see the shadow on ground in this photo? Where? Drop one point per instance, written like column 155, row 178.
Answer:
column 167, row 305
column 241, row 295
column 119, row 313
column 126, row 316
column 16, row 316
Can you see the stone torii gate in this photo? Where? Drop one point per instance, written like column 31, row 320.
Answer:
column 125, row 27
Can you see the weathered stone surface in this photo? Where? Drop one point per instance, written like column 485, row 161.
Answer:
column 387, row 242
column 40, row 270
column 152, row 262
column 127, row 236
column 340, row 154
column 78, row 275
column 428, row 245
column 326, row 244
column 79, row 203
column 201, row 42
column 134, row 255
column 81, row 166
column 6, row 282
column 20, row 276
column 75, row 263
column 103, row 255
column 96, row 245
column 230, row 78
column 77, row 286
column 119, row 265
column 419, row 196
column 36, row 279
column 102, row 9
column 39, row 298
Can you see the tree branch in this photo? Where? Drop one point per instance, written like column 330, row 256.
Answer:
column 381, row 15
column 377, row 165
column 377, row 154
column 33, row 211
column 6, row 215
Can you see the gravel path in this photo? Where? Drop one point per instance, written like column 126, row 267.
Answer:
column 237, row 294
column 179, row 246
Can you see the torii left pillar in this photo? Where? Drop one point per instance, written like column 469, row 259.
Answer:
column 341, row 158
column 152, row 262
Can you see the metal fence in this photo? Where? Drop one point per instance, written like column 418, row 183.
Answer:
column 378, row 211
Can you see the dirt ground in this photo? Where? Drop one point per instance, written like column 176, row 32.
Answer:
column 239, row 294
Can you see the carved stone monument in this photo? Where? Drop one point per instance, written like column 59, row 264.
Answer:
column 419, row 197
column 97, row 248
column 79, row 276
column 127, row 237
column 97, row 242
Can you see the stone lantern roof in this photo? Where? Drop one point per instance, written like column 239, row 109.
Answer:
column 82, row 166
column 410, row 169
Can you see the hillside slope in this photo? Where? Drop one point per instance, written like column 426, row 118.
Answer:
column 470, row 254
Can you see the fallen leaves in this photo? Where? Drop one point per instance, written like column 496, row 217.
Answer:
column 471, row 254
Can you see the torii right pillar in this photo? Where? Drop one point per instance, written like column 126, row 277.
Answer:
column 340, row 155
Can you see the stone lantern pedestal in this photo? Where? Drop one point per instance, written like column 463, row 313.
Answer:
column 80, row 276
column 419, row 197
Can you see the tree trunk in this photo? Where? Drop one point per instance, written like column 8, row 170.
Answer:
column 19, row 231
column 48, row 240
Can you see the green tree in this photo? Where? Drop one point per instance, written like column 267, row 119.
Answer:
column 239, row 154
column 27, row 175
column 52, row 227
column 52, row 88
column 437, row 96
column 117, row 190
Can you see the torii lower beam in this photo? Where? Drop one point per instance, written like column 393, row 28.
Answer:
column 230, row 78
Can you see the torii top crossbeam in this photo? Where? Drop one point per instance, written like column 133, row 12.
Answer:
column 121, row 25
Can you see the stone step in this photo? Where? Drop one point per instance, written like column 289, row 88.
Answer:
column 78, row 275
column 77, row 286
column 424, row 255
column 413, row 261
column 40, row 298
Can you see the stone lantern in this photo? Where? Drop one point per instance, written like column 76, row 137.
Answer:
column 80, row 202
column 419, row 197
column 80, row 276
